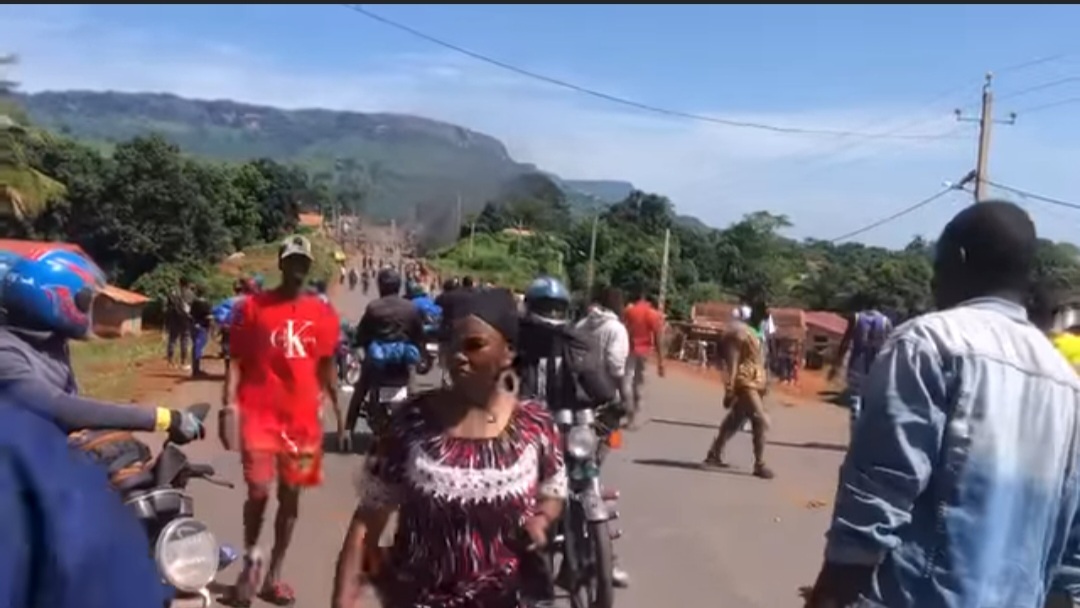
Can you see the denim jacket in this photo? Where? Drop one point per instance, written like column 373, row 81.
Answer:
column 961, row 483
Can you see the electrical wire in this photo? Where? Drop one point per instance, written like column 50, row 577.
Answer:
column 833, row 151
column 622, row 100
column 1047, row 106
column 1039, row 87
column 1033, row 196
column 895, row 216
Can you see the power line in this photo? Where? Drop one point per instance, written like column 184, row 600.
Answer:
column 1040, row 87
column 1033, row 196
column 622, row 100
column 843, row 147
column 1047, row 106
column 895, row 216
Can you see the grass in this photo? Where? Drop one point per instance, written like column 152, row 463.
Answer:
column 116, row 370
column 110, row 369
column 263, row 259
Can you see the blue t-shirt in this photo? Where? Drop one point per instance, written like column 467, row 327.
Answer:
column 68, row 541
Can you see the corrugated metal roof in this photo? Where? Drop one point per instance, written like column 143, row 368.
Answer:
column 124, row 296
column 829, row 321
column 311, row 220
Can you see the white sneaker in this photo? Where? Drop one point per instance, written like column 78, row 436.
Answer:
column 620, row 577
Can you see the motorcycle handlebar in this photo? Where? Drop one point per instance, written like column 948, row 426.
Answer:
column 201, row 470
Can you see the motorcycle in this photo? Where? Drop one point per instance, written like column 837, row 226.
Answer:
column 428, row 356
column 187, row 553
column 584, row 536
column 348, row 365
column 380, row 404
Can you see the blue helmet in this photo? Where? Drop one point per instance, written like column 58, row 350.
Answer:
column 53, row 291
column 547, row 288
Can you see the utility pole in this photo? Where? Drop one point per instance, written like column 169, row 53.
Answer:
column 986, row 122
column 664, row 270
column 592, row 257
column 472, row 238
column 460, row 216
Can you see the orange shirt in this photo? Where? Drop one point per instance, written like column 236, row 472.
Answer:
column 643, row 322
column 276, row 346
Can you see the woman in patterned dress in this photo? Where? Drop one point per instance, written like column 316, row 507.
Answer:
column 475, row 475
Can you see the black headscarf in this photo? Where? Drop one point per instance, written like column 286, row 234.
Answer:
column 496, row 307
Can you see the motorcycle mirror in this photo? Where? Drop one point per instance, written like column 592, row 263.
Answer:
column 199, row 410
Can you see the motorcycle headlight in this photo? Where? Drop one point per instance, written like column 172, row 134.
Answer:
column 581, row 442
column 187, row 554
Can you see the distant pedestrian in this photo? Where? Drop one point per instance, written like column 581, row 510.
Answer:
column 201, row 320
column 178, row 323
column 744, row 358
column 646, row 327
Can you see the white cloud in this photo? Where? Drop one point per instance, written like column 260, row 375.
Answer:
column 827, row 185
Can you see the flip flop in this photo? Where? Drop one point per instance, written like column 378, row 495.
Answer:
column 278, row 594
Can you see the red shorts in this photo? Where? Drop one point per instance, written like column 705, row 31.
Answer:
column 297, row 469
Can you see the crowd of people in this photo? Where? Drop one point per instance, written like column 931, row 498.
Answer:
column 960, row 488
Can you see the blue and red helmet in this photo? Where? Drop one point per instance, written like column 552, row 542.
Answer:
column 52, row 291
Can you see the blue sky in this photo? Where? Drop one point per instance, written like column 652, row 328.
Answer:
column 899, row 69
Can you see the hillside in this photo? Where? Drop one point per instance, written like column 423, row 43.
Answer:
column 412, row 167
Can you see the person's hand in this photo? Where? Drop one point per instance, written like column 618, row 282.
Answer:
column 344, row 438
column 729, row 397
column 184, row 427
column 537, row 529
column 660, row 368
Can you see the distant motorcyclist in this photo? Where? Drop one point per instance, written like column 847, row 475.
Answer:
column 546, row 342
column 354, row 277
column 345, row 345
column 365, row 280
column 430, row 312
column 391, row 334
column 560, row 365
column 47, row 300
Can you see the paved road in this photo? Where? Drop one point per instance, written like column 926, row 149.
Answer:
column 692, row 538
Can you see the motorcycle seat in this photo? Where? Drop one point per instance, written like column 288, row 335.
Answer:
column 143, row 480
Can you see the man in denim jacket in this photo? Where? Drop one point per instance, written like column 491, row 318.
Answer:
column 962, row 485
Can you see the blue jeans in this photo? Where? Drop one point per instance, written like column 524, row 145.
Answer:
column 201, row 337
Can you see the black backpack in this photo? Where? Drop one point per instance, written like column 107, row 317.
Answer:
column 578, row 377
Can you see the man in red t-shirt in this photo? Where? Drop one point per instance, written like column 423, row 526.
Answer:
column 645, row 324
column 283, row 344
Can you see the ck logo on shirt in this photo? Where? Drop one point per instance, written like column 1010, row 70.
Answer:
column 293, row 337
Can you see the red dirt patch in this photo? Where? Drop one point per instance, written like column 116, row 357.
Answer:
column 813, row 387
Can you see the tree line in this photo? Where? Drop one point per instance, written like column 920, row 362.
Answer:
column 143, row 210
column 748, row 259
